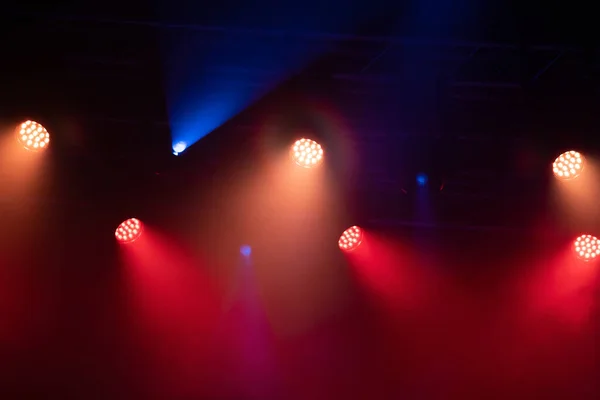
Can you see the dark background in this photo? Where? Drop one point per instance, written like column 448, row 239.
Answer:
column 483, row 111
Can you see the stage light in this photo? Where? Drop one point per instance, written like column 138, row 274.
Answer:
column 351, row 238
column 307, row 153
column 179, row 148
column 422, row 179
column 568, row 165
column 129, row 230
column 587, row 247
column 246, row 250
column 33, row 136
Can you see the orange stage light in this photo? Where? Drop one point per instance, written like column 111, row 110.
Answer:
column 568, row 165
column 33, row 136
column 307, row 153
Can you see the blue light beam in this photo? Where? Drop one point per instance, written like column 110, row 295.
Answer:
column 213, row 74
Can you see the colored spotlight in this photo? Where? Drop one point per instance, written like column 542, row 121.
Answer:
column 587, row 247
column 246, row 250
column 568, row 165
column 33, row 136
column 129, row 231
column 421, row 179
column 179, row 148
column 307, row 153
column 351, row 238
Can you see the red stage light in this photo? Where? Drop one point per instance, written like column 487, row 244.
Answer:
column 307, row 153
column 129, row 230
column 351, row 238
column 33, row 136
column 587, row 247
column 568, row 165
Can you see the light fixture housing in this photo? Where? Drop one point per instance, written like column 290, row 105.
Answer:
column 129, row 231
column 32, row 136
column 587, row 248
column 568, row 165
column 307, row 153
column 351, row 238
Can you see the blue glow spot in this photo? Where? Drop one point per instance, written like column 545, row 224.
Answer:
column 179, row 147
column 246, row 250
column 421, row 179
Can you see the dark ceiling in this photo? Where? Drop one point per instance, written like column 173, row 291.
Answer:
column 482, row 112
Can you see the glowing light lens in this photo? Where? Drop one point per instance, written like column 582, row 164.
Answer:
column 33, row 136
column 179, row 147
column 129, row 231
column 351, row 238
column 307, row 153
column 246, row 250
column 568, row 165
column 587, row 247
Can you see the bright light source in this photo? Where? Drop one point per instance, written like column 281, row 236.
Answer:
column 568, row 165
column 587, row 247
column 179, row 147
column 129, row 230
column 33, row 136
column 351, row 238
column 246, row 250
column 307, row 153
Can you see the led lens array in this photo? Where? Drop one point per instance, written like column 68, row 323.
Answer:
column 350, row 239
column 307, row 153
column 587, row 247
column 33, row 136
column 568, row 165
column 129, row 230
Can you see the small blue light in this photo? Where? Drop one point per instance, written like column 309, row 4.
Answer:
column 179, row 147
column 421, row 179
column 246, row 250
